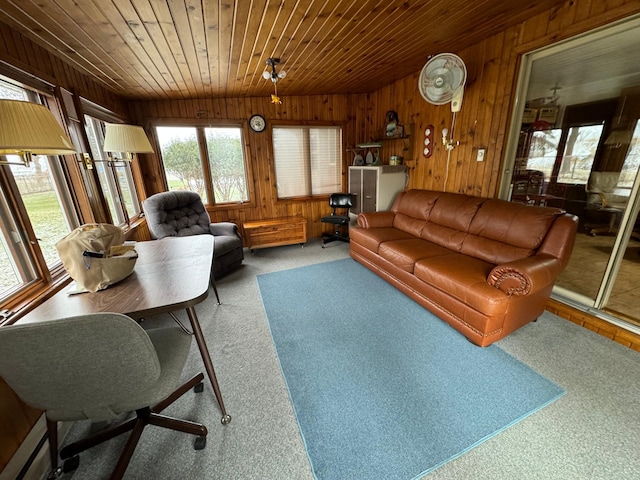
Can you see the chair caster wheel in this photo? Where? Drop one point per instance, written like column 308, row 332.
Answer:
column 200, row 443
column 55, row 473
column 199, row 388
column 225, row 419
column 71, row 464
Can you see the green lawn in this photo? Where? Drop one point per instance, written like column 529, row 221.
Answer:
column 49, row 226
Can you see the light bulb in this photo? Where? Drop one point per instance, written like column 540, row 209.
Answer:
column 445, row 131
column 266, row 75
column 282, row 74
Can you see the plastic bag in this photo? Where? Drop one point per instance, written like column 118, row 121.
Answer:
column 96, row 256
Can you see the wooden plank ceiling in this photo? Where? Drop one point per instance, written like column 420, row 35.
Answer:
column 154, row 49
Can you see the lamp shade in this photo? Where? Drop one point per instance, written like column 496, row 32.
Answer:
column 126, row 138
column 30, row 128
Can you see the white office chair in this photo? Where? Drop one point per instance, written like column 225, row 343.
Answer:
column 605, row 198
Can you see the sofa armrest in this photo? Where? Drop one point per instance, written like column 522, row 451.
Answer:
column 224, row 228
column 376, row 219
column 525, row 276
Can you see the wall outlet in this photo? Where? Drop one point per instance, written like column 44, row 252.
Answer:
column 481, row 154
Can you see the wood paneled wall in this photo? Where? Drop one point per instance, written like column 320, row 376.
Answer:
column 492, row 67
column 321, row 109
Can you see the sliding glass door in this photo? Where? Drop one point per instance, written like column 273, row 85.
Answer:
column 575, row 144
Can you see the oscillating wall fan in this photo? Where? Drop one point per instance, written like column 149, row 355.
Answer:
column 442, row 80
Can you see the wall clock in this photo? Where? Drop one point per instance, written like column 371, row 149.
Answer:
column 257, row 123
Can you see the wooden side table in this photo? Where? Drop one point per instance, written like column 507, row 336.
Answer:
column 275, row 232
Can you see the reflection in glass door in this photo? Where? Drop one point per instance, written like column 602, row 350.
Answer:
column 604, row 269
column 623, row 299
column 575, row 145
column 619, row 296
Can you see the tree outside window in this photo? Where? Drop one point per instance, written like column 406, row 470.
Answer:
column 221, row 178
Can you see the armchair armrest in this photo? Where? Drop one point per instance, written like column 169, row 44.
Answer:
column 376, row 219
column 615, row 200
column 224, row 228
column 525, row 276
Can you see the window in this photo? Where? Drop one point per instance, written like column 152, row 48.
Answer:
column 580, row 146
column 543, row 151
column 16, row 267
column 631, row 163
column 308, row 160
column 579, row 153
column 115, row 176
column 206, row 160
column 40, row 190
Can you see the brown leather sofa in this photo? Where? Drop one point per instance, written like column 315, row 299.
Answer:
column 485, row 266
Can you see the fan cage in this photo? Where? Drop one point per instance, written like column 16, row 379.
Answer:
column 441, row 77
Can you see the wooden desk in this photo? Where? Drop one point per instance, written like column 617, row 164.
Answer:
column 170, row 274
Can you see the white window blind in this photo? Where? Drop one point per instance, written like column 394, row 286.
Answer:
column 307, row 160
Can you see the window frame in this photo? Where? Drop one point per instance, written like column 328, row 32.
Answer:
column 200, row 126
column 306, row 124
column 98, row 116
column 45, row 277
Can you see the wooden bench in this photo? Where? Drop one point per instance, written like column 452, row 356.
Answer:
column 275, row 232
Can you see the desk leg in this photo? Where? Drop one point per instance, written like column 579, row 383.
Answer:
column 206, row 358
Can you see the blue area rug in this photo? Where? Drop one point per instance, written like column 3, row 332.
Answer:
column 381, row 388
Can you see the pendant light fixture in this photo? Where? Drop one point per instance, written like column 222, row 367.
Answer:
column 274, row 76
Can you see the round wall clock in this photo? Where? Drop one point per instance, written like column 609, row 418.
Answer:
column 257, row 123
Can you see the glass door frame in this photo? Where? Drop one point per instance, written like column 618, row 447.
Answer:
column 594, row 306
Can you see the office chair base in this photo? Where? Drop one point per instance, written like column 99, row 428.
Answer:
column 334, row 237
column 144, row 416
column 200, row 443
column 55, row 473
column 71, row 464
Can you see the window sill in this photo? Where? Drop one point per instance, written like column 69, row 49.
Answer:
column 230, row 205
column 34, row 296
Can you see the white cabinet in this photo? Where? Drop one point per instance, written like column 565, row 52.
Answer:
column 376, row 187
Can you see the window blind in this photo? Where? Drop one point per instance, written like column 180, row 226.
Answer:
column 307, row 160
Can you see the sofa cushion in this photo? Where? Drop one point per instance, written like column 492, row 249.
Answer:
column 408, row 224
column 450, row 220
column 405, row 253
column 504, row 231
column 412, row 210
column 371, row 238
column 464, row 278
column 416, row 203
